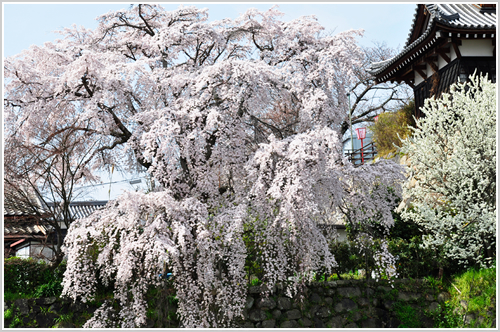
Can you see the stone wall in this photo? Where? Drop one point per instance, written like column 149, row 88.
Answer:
column 333, row 304
column 343, row 303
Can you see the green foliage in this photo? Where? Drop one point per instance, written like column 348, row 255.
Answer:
column 471, row 292
column 389, row 126
column 65, row 318
column 413, row 260
column 447, row 317
column 52, row 288
column 407, row 315
column 7, row 314
column 26, row 276
column 347, row 255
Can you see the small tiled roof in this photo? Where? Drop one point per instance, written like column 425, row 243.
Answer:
column 82, row 209
column 19, row 223
column 461, row 16
column 21, row 203
column 24, row 227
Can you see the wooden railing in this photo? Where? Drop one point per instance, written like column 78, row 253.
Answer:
column 369, row 152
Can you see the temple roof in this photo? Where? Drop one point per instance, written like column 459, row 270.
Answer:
column 460, row 17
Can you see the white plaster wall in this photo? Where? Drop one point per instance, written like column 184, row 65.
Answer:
column 418, row 78
column 453, row 55
column 342, row 235
column 442, row 62
column 476, row 47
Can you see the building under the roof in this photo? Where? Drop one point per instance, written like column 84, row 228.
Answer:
column 27, row 233
column 446, row 43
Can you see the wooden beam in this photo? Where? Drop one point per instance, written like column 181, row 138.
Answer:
column 457, row 51
column 421, row 73
column 445, row 48
column 444, row 56
column 432, row 64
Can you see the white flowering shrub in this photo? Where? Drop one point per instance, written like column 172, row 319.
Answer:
column 453, row 170
column 238, row 123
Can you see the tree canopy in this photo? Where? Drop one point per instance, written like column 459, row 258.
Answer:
column 238, row 122
column 452, row 187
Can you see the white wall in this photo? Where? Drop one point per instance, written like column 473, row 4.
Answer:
column 476, row 47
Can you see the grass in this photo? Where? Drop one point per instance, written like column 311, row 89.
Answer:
column 8, row 296
column 474, row 290
column 407, row 315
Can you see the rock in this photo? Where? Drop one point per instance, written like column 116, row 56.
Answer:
column 254, row 290
column 494, row 323
column 248, row 325
column 375, row 302
column 46, row 300
column 345, row 305
column 312, row 311
column 22, row 305
column 249, row 302
column 429, row 297
column 363, row 302
column 149, row 323
column 382, row 314
column 369, row 292
column 269, row 324
column 257, row 315
column 78, row 307
column 315, row 298
column 434, row 307
column 284, row 303
column 276, row 313
column 442, row 297
column 464, row 304
column 318, row 323
column 384, row 288
column 349, row 291
column 328, row 300
column 404, row 296
column 43, row 321
column 469, row 318
column 293, row 314
column 305, row 322
column 330, row 291
column 65, row 325
column 343, row 282
column 266, row 303
column 336, row 322
column 388, row 304
column 289, row 324
column 371, row 323
column 324, row 312
column 351, row 326
column 393, row 323
column 427, row 322
column 56, row 307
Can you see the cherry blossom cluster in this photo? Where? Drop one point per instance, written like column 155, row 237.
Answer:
column 237, row 121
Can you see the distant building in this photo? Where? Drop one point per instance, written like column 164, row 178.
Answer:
column 446, row 43
column 353, row 151
column 27, row 231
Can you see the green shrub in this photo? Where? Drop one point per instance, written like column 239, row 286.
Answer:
column 53, row 288
column 413, row 261
column 26, row 276
column 407, row 315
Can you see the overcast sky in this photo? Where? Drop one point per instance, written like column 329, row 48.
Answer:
column 25, row 24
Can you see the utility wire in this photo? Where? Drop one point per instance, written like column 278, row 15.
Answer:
column 113, row 182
